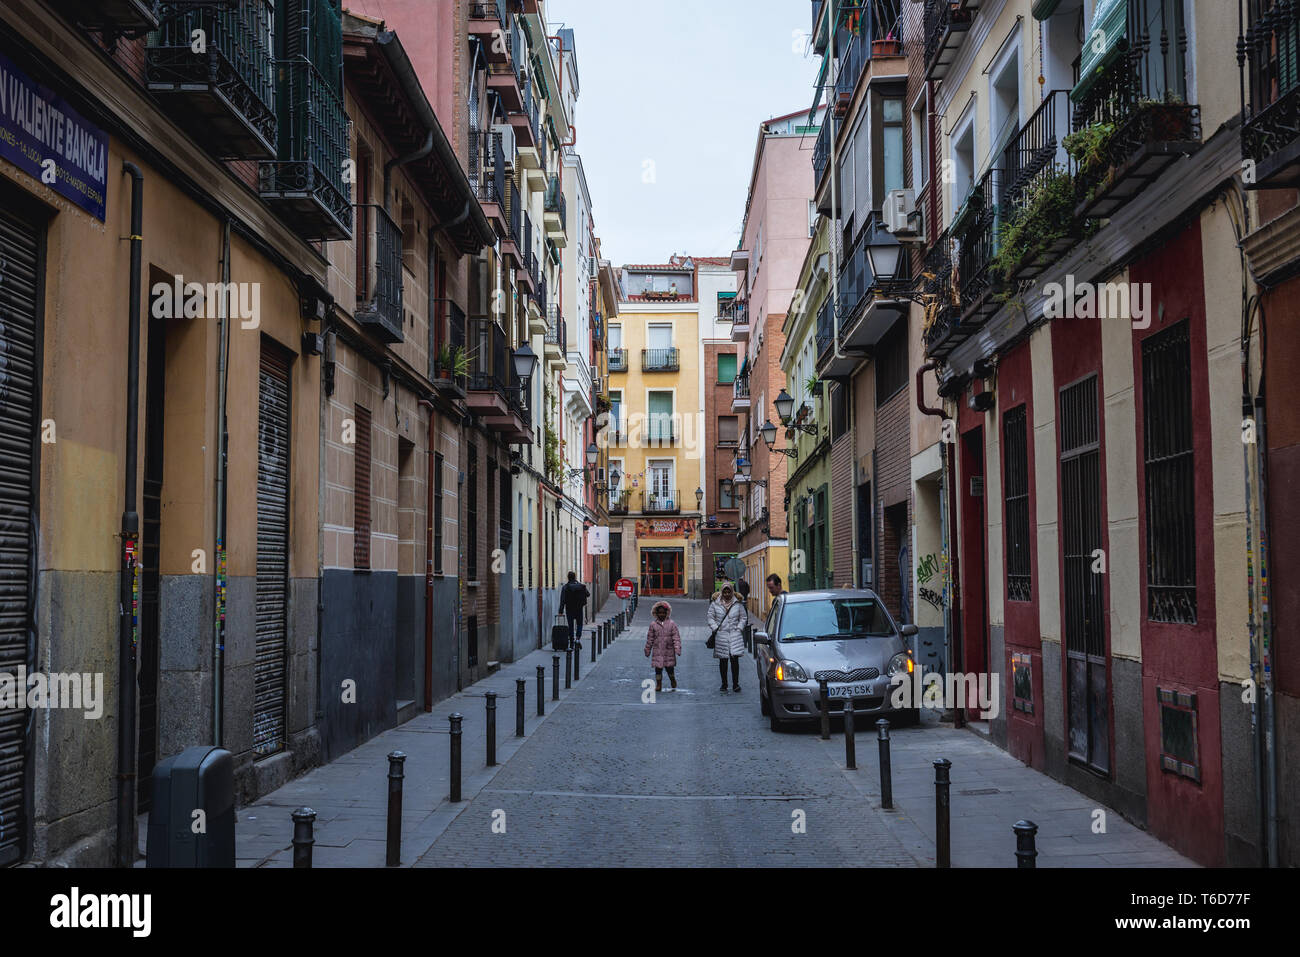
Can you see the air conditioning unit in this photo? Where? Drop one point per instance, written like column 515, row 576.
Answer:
column 595, row 373
column 900, row 215
column 593, row 266
column 507, row 134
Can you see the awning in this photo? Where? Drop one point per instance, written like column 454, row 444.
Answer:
column 1043, row 9
column 1105, row 41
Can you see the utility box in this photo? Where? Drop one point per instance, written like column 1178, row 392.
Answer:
column 192, row 823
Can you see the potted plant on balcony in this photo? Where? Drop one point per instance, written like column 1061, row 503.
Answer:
column 969, row 211
column 813, row 386
column 452, row 362
column 1036, row 228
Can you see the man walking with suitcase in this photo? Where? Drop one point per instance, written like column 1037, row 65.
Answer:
column 573, row 601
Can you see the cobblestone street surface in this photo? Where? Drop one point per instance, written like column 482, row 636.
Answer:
column 694, row 778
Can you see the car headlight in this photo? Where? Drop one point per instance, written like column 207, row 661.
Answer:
column 900, row 664
column 790, row 671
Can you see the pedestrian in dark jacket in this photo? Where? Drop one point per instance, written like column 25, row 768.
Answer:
column 663, row 643
column 573, row 599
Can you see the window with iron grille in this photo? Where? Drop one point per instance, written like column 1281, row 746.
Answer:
column 1170, row 481
column 361, row 493
column 437, row 513
column 504, row 491
column 891, row 362
column 1015, row 468
column 472, row 641
column 1179, row 751
column 471, row 516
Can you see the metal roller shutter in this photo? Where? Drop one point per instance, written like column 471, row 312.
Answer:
column 269, row 687
column 19, row 290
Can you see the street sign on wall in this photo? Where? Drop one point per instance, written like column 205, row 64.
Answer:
column 598, row 540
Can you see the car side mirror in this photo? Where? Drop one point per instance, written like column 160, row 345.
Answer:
column 907, row 631
column 760, row 638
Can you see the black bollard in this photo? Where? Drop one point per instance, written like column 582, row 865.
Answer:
column 943, row 837
column 491, row 697
column 541, row 690
column 303, row 819
column 456, row 734
column 1026, row 853
column 577, row 659
column 593, row 647
column 850, row 741
column 886, row 772
column 521, row 687
column 396, row 760
column 826, row 709
column 555, row 675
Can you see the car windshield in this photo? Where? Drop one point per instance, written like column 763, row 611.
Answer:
column 835, row 619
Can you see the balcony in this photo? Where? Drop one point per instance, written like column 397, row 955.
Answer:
column 381, row 314
column 819, row 36
column 555, row 216
column 492, row 390
column 736, row 312
column 487, row 176
column 111, row 16
column 485, row 20
column 617, row 360
column 1270, row 129
column 528, row 128
column 555, row 337
column 821, row 160
column 442, row 373
column 945, row 25
column 664, row 502
column 1131, row 121
column 976, row 227
column 868, row 307
column 511, row 242
column 619, row 502
column 225, row 97
column 305, row 186
column 660, row 430
column 503, row 79
column 942, row 330
column 740, row 394
column 660, row 360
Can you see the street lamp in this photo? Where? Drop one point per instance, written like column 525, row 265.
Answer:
column 769, row 438
column 785, row 412
column 525, row 360
column 884, row 256
column 593, row 454
column 746, row 468
column 699, row 497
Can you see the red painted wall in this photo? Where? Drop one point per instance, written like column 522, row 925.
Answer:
column 974, row 549
column 1177, row 657
column 1022, row 634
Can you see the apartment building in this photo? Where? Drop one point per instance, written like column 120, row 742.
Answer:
column 1089, row 311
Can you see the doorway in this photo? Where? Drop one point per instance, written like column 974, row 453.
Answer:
column 975, row 630
column 150, row 562
column 661, row 571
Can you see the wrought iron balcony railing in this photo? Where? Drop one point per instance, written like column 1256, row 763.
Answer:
column 945, row 24
column 306, row 185
column 488, row 356
column 663, row 502
column 660, row 430
column 556, row 333
column 555, row 202
column 112, row 15
column 617, row 360
column 1035, row 148
column 821, row 157
column 825, row 332
column 226, row 95
column 735, row 311
column 979, row 244
column 619, row 502
column 660, row 360
column 514, row 213
column 740, row 388
column 382, row 313
column 1270, row 129
column 487, row 166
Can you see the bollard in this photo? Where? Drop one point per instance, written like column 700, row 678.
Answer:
column 456, row 734
column 593, row 647
column 521, row 689
column 850, row 741
column 555, row 675
column 1025, row 850
column 577, row 659
column 302, row 836
column 396, row 760
column 491, row 697
column 541, row 690
column 826, row 709
column 942, row 841
column 886, row 772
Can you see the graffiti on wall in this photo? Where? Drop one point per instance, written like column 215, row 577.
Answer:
column 926, row 569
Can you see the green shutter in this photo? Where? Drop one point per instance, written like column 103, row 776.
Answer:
column 1043, row 9
column 1102, row 44
column 726, row 367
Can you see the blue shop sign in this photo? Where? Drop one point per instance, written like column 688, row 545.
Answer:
column 46, row 138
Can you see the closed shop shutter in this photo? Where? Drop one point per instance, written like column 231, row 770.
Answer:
column 19, row 267
column 269, row 690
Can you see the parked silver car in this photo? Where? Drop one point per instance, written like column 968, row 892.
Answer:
column 846, row 636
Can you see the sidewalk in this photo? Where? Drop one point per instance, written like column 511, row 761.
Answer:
column 350, row 795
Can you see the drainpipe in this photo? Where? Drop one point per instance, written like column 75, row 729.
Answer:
column 944, row 513
column 219, row 553
column 418, row 154
column 127, row 608
column 428, row 558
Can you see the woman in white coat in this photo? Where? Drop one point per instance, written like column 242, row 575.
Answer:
column 727, row 616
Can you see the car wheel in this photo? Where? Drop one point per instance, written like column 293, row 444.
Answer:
column 764, row 703
column 776, row 723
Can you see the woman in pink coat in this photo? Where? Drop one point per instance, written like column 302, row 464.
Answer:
column 663, row 643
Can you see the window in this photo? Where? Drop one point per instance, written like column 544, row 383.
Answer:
column 615, row 337
column 616, row 410
column 1004, row 101
column 728, row 430
column 361, row 490
column 726, row 495
column 659, row 336
column 891, row 362
column 920, row 143
column 812, row 218
column 471, row 516
column 660, row 405
column 725, row 299
column 839, row 410
column 889, row 159
column 1022, row 682
column 963, row 162
column 1015, row 469
column 437, row 513
column 1170, row 481
column 1179, row 753
column 726, row 368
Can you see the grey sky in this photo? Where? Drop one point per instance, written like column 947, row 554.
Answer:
column 682, row 84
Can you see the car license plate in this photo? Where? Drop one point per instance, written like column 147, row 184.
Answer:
column 850, row 691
